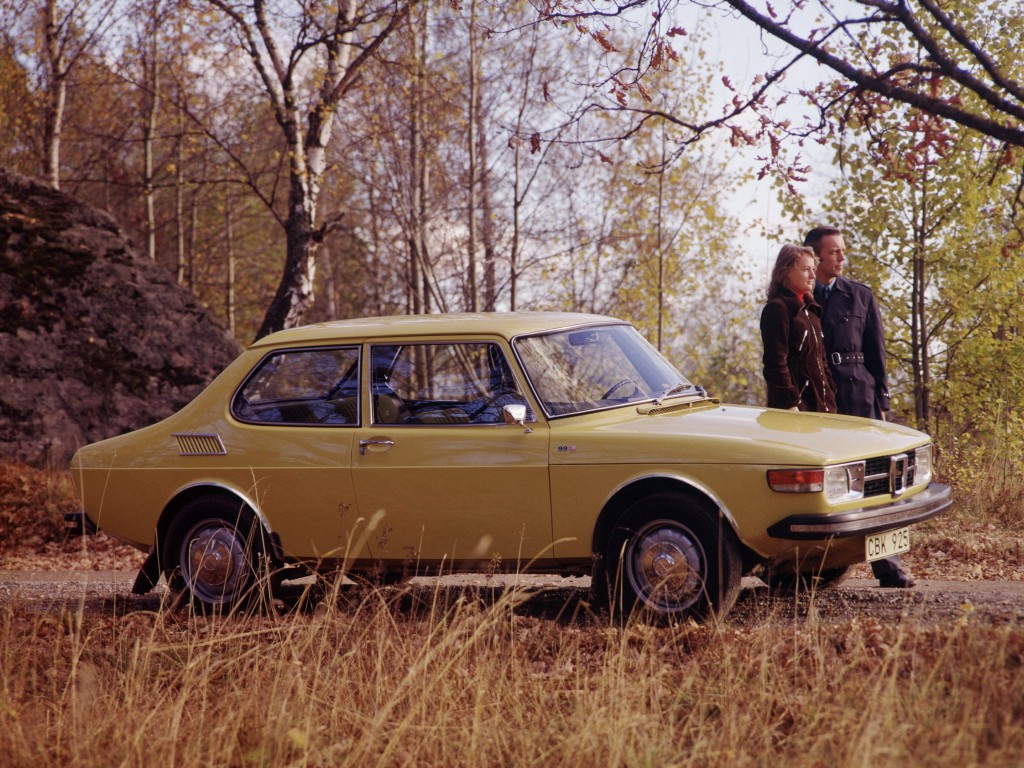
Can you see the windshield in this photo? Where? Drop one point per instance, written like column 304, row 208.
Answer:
column 599, row 367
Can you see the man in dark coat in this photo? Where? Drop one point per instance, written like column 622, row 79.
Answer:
column 855, row 347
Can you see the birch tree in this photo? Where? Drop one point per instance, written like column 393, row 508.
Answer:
column 55, row 35
column 308, row 59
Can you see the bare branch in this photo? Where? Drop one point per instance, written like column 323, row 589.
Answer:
column 886, row 85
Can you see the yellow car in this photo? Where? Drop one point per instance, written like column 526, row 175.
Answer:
column 547, row 442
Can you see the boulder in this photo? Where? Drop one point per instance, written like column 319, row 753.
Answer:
column 95, row 338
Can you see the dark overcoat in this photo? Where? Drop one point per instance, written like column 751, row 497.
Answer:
column 855, row 345
column 795, row 372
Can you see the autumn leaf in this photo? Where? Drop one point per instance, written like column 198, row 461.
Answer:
column 604, row 42
column 535, row 144
column 619, row 91
column 739, row 137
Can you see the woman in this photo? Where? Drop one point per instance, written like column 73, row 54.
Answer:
column 795, row 369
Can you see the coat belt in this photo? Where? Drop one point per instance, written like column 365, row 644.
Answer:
column 839, row 358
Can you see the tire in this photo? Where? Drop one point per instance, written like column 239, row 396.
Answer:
column 218, row 552
column 783, row 584
column 673, row 558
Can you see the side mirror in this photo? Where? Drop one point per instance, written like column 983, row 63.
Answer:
column 515, row 413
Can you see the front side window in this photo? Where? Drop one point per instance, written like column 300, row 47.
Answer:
column 442, row 383
column 302, row 386
column 594, row 368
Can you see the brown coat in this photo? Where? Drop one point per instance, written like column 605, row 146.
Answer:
column 795, row 370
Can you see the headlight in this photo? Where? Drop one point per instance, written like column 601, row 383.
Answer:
column 923, row 466
column 845, row 482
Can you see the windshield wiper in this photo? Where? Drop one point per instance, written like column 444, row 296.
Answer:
column 678, row 389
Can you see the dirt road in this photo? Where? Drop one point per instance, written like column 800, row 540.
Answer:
column 565, row 599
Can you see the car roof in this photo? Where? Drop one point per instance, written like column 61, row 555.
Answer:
column 507, row 324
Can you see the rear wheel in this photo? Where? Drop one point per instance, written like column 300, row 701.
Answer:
column 672, row 557
column 218, row 550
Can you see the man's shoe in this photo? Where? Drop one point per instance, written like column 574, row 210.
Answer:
column 898, row 579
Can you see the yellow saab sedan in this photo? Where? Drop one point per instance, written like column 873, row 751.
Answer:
column 547, row 442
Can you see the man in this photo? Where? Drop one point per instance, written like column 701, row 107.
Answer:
column 855, row 346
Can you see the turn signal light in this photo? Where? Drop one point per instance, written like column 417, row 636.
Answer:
column 796, row 480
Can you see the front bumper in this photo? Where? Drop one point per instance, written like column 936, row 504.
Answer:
column 932, row 501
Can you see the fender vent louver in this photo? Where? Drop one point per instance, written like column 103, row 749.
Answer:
column 200, row 445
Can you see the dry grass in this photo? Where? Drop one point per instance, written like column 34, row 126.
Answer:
column 461, row 683
column 362, row 681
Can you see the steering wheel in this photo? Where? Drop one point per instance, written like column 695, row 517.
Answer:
column 618, row 385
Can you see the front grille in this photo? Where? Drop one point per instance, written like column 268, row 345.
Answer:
column 889, row 474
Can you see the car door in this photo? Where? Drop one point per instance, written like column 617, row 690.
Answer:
column 439, row 476
column 298, row 412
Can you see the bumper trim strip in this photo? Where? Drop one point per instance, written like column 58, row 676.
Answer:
column 932, row 501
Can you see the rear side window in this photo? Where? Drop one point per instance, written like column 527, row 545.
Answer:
column 302, row 386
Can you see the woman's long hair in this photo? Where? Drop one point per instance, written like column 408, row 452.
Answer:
column 784, row 262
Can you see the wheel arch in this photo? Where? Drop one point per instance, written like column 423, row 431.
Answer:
column 637, row 489
column 195, row 491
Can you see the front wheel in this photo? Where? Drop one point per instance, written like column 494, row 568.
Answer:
column 218, row 550
column 673, row 557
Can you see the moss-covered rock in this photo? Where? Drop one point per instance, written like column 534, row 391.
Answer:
column 95, row 339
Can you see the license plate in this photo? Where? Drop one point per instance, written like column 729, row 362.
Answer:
column 881, row 545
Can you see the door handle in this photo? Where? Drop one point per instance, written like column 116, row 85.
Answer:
column 377, row 441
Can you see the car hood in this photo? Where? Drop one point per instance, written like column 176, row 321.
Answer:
column 707, row 432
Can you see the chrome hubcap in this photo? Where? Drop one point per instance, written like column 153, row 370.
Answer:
column 216, row 562
column 665, row 566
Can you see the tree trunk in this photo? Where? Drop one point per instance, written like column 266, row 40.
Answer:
column 513, row 257
column 330, row 283
column 229, row 282
column 56, row 94
column 490, row 282
column 193, row 235
column 294, row 294
column 151, row 94
column 417, row 297
column 918, row 324
column 179, row 204
column 474, row 97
